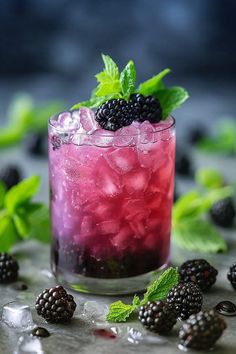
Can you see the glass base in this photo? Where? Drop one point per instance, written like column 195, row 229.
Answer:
column 98, row 286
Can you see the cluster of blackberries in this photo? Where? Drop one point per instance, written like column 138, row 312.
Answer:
column 118, row 113
column 184, row 301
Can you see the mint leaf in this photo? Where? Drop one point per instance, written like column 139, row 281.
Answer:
column 8, row 233
column 128, row 80
column 108, row 88
column 151, row 86
column 21, row 193
column 40, row 224
column 170, row 99
column 198, row 235
column 2, row 193
column 119, row 312
column 136, row 301
column 93, row 102
column 20, row 110
column 159, row 289
column 22, row 223
column 193, row 204
column 209, row 178
column 110, row 67
column 42, row 114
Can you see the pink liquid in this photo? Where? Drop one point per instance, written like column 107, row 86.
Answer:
column 111, row 206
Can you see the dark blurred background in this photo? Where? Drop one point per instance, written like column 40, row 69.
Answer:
column 52, row 48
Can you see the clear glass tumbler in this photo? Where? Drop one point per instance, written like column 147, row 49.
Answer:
column 111, row 201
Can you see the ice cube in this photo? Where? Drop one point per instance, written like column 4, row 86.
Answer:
column 108, row 227
column 17, row 315
column 123, row 238
column 136, row 181
column 146, row 132
column 87, row 227
column 29, row 345
column 122, row 160
column 87, row 120
column 134, row 336
column 67, row 121
column 95, row 311
column 102, row 138
column 126, row 136
column 107, row 180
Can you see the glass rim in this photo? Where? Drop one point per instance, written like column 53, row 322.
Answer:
column 109, row 133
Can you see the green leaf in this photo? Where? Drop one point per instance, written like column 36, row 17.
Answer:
column 119, row 312
column 20, row 110
column 2, row 193
column 40, row 224
column 8, row 234
column 93, row 102
column 22, row 223
column 21, row 193
column 154, row 84
column 108, row 88
column 136, row 301
column 171, row 98
column 198, row 235
column 209, row 178
column 128, row 79
column 193, row 204
column 42, row 114
column 160, row 288
column 110, row 67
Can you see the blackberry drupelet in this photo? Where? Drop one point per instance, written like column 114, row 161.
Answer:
column 55, row 305
column 10, row 176
column 201, row 330
column 114, row 114
column 157, row 317
column 223, row 212
column 186, row 299
column 145, row 108
column 198, row 271
column 8, row 268
column 232, row 275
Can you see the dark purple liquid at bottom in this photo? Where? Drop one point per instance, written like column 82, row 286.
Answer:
column 71, row 258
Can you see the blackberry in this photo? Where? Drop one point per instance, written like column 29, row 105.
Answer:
column 198, row 271
column 114, row 114
column 55, row 305
column 157, row 316
column 201, row 330
column 34, row 144
column 196, row 134
column 8, row 268
column 186, row 299
column 223, row 212
column 10, row 176
column 145, row 108
column 232, row 275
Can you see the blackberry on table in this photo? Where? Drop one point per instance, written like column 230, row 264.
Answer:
column 198, row 271
column 145, row 108
column 182, row 164
column 223, row 212
column 196, row 134
column 157, row 316
column 34, row 144
column 232, row 275
column 55, row 305
column 114, row 114
column 8, row 268
column 186, row 299
column 10, row 176
column 201, row 330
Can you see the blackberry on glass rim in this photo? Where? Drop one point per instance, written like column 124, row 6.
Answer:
column 111, row 167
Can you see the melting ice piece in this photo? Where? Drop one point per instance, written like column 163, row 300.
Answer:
column 29, row 345
column 101, row 137
column 17, row 315
column 134, row 336
column 67, row 121
column 95, row 311
column 87, row 119
column 126, row 136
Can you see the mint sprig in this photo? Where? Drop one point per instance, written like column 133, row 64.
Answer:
column 209, row 178
column 157, row 290
column 190, row 228
column 20, row 217
column 113, row 84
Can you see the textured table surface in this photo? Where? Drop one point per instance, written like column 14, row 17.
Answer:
column 77, row 337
